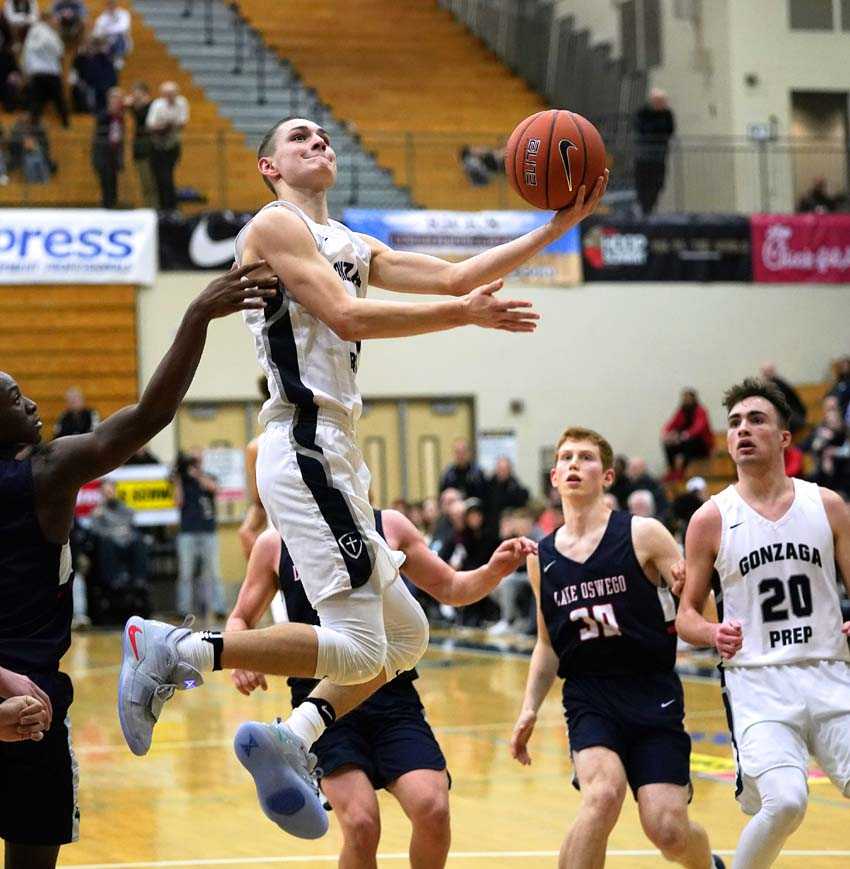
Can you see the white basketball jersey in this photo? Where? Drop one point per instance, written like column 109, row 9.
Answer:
column 778, row 579
column 306, row 363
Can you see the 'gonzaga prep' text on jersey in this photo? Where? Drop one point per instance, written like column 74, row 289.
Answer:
column 306, row 362
column 604, row 616
column 778, row 580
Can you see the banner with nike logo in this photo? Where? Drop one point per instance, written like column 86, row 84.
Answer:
column 203, row 241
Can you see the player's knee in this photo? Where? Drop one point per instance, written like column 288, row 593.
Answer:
column 430, row 814
column 604, row 800
column 787, row 810
column 669, row 833
column 350, row 658
column 362, row 830
column 407, row 642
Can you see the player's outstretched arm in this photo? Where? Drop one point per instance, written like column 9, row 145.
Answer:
column 283, row 240
column 70, row 462
column 839, row 519
column 428, row 571
column 541, row 674
column 408, row 272
column 255, row 595
column 701, row 545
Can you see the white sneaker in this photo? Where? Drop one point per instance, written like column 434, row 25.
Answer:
column 285, row 776
column 503, row 626
column 151, row 671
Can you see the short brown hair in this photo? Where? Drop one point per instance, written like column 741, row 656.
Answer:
column 266, row 146
column 754, row 387
column 577, row 433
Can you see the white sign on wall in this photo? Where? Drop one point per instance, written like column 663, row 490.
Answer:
column 77, row 246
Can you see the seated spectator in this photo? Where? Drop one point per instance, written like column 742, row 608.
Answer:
column 76, row 418
column 687, row 435
column 841, row 388
column 504, row 492
column 514, row 592
column 92, row 76
column 481, row 165
column 638, row 477
column 464, row 474
column 798, row 409
column 686, row 504
column 20, row 15
column 828, row 447
column 642, row 503
column 70, row 18
column 114, row 25
column 29, row 147
column 816, row 198
column 108, row 147
column 479, row 543
column 36, row 169
column 41, row 62
column 120, row 549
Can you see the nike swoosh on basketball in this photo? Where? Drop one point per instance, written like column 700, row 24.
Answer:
column 665, row 705
column 548, row 566
column 735, row 525
column 131, row 634
column 204, row 251
column 564, row 148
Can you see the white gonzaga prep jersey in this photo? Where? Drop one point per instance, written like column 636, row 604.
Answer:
column 778, row 580
column 306, row 363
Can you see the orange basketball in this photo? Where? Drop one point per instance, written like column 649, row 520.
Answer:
column 550, row 155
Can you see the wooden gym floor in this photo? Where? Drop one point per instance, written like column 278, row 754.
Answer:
column 190, row 803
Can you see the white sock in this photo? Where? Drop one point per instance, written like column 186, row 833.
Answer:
column 306, row 723
column 197, row 651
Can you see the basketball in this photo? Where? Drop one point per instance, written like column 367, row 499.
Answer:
column 550, row 155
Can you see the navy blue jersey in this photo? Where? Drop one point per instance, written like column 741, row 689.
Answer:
column 604, row 617
column 299, row 609
column 36, row 603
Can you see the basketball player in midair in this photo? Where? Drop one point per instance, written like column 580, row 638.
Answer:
column 605, row 625
column 38, row 494
column 771, row 544
column 386, row 742
column 311, row 476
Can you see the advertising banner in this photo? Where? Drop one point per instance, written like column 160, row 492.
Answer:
column 77, row 246
column 676, row 247
column 201, row 242
column 801, row 248
column 146, row 489
column 456, row 235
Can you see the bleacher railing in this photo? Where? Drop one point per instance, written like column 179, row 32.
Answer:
column 704, row 174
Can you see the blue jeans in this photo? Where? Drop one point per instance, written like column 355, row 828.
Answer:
column 199, row 550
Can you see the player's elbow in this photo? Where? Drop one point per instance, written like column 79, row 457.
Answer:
column 348, row 324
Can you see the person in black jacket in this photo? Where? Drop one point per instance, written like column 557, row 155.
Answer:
column 108, row 147
column 654, row 126
column 504, row 492
column 464, row 473
column 76, row 418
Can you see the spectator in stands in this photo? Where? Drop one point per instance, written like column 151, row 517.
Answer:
column 687, row 435
column 76, row 418
column 70, row 18
column 464, row 474
column 20, row 16
column 841, row 388
column 108, row 147
column 197, row 541
column 481, row 164
column 29, row 148
column 168, row 115
column 36, row 169
column 642, row 503
column 504, row 492
column 11, row 80
column 139, row 103
column 816, row 198
column 430, row 516
column 114, row 25
column 621, row 487
column 93, row 75
column 444, row 525
column 829, row 448
column 638, row 477
column 41, row 61
column 513, row 592
column 794, row 461
column 479, row 543
column 120, row 549
column 686, row 504
column 798, row 409
column 654, row 127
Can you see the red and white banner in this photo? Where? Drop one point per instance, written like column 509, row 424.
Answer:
column 801, row 248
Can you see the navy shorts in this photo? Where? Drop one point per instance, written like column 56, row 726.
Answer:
column 386, row 737
column 39, row 779
column 639, row 717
